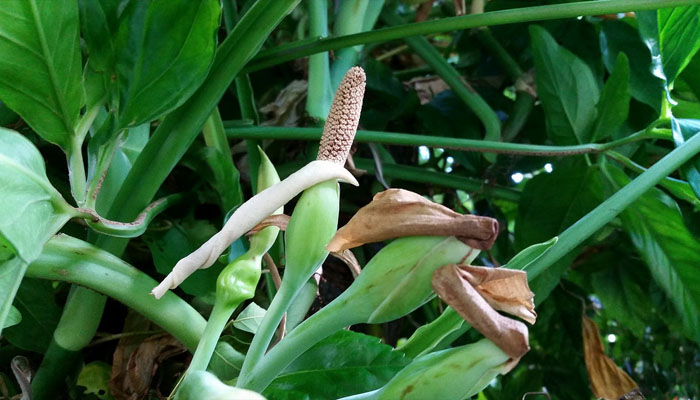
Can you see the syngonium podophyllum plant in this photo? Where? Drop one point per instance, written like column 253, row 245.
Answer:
column 102, row 103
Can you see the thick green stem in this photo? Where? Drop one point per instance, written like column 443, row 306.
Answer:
column 525, row 14
column 263, row 336
column 349, row 20
column 408, row 139
column 422, row 175
column 218, row 318
column 71, row 260
column 319, row 326
column 76, row 172
column 610, row 208
column 320, row 94
column 430, row 55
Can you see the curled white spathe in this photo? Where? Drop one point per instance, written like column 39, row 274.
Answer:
column 250, row 214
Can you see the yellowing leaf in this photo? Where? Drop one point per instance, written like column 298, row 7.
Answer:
column 608, row 381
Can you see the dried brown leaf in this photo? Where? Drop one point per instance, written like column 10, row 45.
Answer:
column 350, row 260
column 608, row 381
column 460, row 7
column 132, row 375
column 452, row 285
column 423, row 11
column 279, row 220
column 284, row 110
column 427, row 88
column 504, row 289
column 397, row 213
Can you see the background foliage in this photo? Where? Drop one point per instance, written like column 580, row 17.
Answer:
column 152, row 70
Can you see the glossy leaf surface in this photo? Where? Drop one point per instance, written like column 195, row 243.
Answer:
column 567, row 89
column 341, row 365
column 40, row 71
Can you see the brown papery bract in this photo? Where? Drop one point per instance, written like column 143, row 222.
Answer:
column 397, row 213
column 504, row 289
column 453, row 283
column 608, row 381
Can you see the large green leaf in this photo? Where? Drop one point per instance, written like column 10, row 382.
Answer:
column 35, row 300
column 618, row 37
column 623, row 291
column 341, row 365
column 551, row 203
column 567, row 89
column 40, row 70
column 163, row 51
column 32, row 211
column 671, row 252
column 614, row 103
column 676, row 32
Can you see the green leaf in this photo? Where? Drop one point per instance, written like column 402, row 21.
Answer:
column 32, row 209
column 343, row 364
column 35, row 300
column 163, row 51
column 40, row 70
column 530, row 254
column 226, row 362
column 567, row 89
column 684, row 129
column 620, row 37
column 677, row 31
column 14, row 317
column 94, row 377
column 614, row 104
column 11, row 274
column 671, row 252
column 541, row 215
column 622, row 292
column 249, row 319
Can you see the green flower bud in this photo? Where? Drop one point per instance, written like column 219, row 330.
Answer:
column 452, row 374
column 205, row 385
column 398, row 279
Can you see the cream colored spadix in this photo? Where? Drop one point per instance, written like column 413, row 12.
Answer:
column 338, row 134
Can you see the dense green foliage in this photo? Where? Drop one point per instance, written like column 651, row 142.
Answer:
column 574, row 120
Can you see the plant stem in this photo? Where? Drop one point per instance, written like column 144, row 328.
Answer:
column 408, row 139
column 524, row 103
column 525, row 14
column 283, row 298
column 422, row 175
column 71, row 260
column 349, row 20
column 319, row 326
column 433, row 57
column 320, row 94
column 614, row 205
column 218, row 318
column 677, row 187
column 76, row 172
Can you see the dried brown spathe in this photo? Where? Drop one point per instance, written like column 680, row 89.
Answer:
column 397, row 213
column 477, row 292
column 608, row 381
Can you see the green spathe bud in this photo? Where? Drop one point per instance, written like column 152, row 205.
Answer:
column 397, row 280
column 311, row 226
column 205, row 385
column 452, row 374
